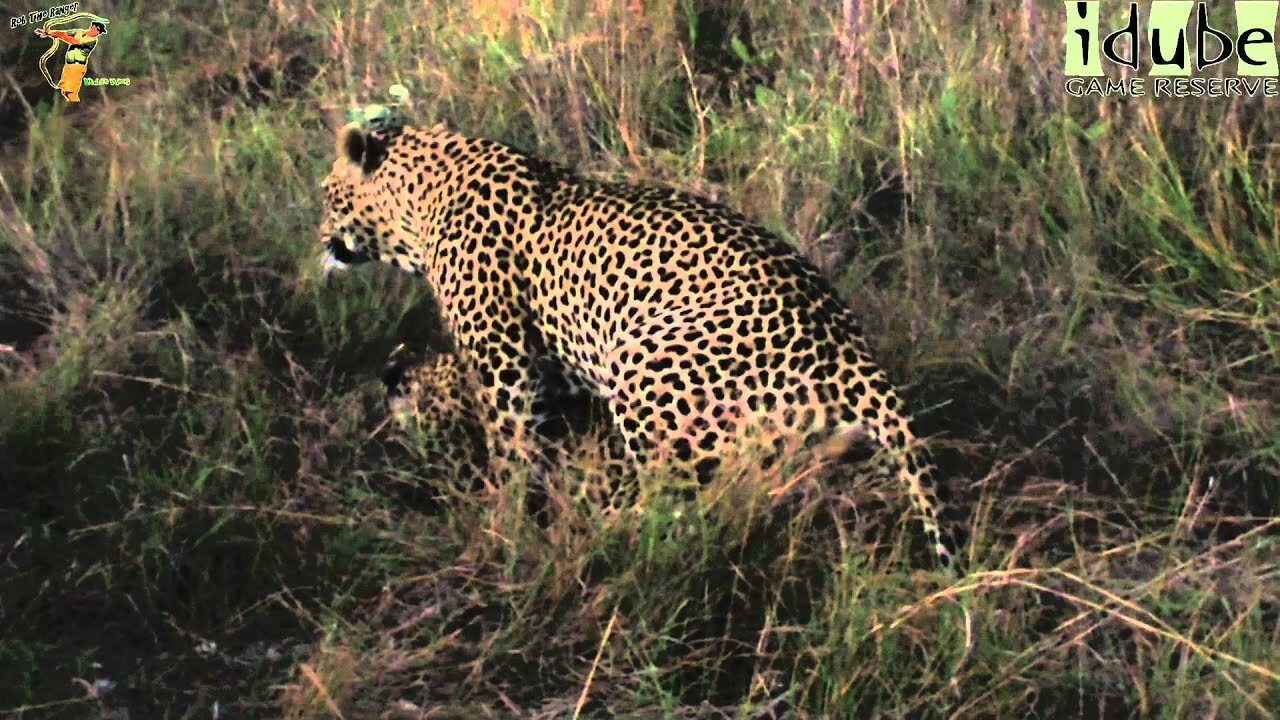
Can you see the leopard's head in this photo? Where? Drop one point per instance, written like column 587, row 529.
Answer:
column 358, row 221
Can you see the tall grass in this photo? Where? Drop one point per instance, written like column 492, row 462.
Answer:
column 202, row 504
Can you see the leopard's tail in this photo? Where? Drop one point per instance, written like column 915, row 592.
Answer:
column 891, row 429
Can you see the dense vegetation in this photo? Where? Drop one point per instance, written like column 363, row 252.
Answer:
column 202, row 510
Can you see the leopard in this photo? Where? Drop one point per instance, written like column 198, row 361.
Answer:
column 430, row 403
column 431, row 400
column 700, row 330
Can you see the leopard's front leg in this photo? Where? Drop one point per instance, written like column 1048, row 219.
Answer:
column 510, row 391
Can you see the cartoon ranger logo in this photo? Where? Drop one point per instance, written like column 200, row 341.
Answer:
column 80, row 45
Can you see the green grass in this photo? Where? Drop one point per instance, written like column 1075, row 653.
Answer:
column 1079, row 295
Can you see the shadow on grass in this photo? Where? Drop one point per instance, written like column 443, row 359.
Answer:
column 174, row 502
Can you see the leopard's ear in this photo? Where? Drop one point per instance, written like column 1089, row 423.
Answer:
column 361, row 148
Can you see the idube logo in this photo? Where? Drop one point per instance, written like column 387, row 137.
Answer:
column 1174, row 68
